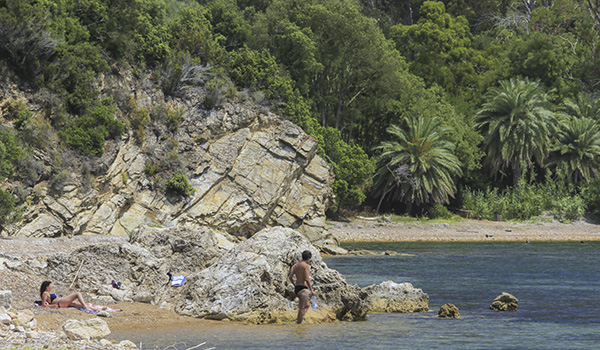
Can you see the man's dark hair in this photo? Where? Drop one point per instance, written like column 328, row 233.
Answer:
column 306, row 255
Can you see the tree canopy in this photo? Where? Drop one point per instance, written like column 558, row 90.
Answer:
column 496, row 89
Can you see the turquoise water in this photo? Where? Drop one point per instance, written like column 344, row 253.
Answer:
column 558, row 286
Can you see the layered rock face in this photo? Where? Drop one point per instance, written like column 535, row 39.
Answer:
column 250, row 169
column 250, row 283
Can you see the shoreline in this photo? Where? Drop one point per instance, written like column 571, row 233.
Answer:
column 466, row 230
column 18, row 254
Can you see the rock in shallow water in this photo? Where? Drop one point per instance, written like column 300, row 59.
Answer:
column 505, row 302
column 448, row 311
column 397, row 297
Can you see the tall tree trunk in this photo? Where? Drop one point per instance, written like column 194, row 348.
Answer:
column 383, row 196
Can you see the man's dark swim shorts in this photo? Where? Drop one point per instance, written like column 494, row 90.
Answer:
column 298, row 289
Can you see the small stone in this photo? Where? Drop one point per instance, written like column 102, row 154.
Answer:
column 20, row 329
column 105, row 343
column 5, row 319
column 142, row 297
column 127, row 344
column 32, row 324
column 32, row 335
column 448, row 311
column 104, row 314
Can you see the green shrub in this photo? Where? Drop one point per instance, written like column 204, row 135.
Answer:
column 167, row 115
column 151, row 168
column 10, row 153
column 139, row 118
column 89, row 131
column 590, row 193
column 525, row 201
column 59, row 180
column 439, row 211
column 568, row 208
column 18, row 111
column 8, row 210
column 180, row 185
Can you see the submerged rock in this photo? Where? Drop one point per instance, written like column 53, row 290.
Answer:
column 397, row 297
column 505, row 302
column 448, row 311
column 250, row 283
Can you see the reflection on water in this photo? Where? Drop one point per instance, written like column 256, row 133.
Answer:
column 557, row 285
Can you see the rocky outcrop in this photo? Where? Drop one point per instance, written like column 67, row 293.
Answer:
column 250, row 283
column 448, row 311
column 141, row 265
column 504, row 302
column 93, row 328
column 397, row 297
column 250, row 169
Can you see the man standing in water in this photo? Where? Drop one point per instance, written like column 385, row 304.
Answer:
column 302, row 286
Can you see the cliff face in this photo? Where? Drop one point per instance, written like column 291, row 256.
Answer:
column 250, row 169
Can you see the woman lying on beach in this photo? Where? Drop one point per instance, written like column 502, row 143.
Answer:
column 50, row 299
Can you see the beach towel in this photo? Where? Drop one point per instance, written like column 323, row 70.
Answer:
column 90, row 306
column 178, row 281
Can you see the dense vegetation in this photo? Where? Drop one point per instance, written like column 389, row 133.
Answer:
column 486, row 105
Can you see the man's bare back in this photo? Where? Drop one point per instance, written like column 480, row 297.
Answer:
column 301, row 271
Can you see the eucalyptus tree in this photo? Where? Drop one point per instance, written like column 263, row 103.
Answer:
column 578, row 153
column 517, row 122
column 418, row 165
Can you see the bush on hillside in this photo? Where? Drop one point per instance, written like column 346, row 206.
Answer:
column 180, row 185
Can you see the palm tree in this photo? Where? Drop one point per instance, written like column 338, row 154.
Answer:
column 578, row 155
column 517, row 124
column 418, row 166
column 586, row 105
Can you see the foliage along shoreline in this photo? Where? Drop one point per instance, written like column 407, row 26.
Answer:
column 490, row 106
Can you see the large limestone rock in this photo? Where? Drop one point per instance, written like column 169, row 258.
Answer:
column 141, row 264
column 249, row 169
column 93, row 328
column 504, row 302
column 249, row 283
column 397, row 297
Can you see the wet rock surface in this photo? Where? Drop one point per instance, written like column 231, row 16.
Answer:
column 389, row 296
column 448, row 311
column 505, row 302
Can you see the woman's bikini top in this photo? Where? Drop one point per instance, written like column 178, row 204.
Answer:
column 52, row 297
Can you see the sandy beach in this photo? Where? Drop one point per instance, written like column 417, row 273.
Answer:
column 21, row 253
column 464, row 231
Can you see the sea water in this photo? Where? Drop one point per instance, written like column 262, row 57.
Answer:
column 557, row 284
